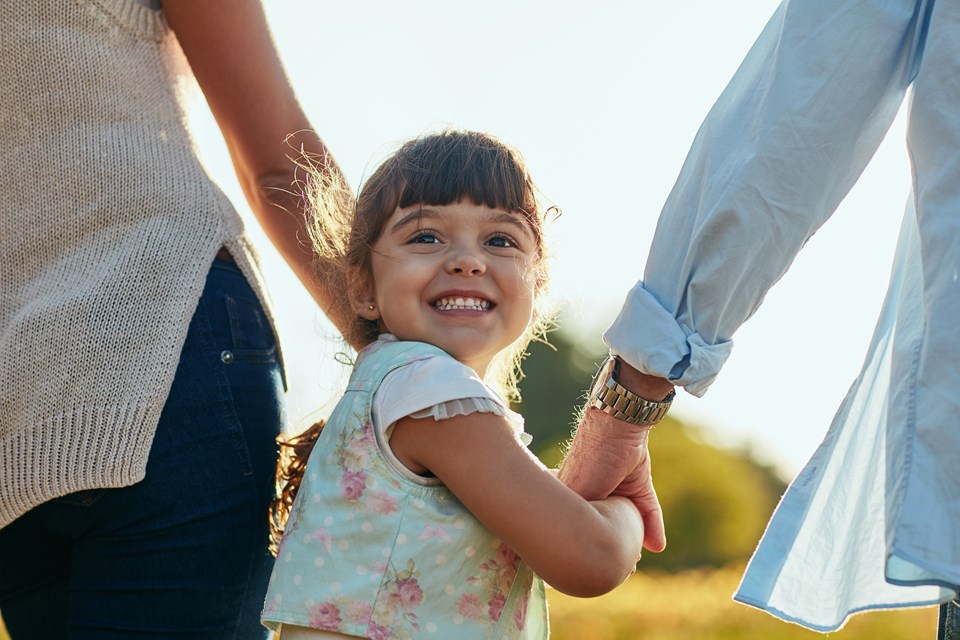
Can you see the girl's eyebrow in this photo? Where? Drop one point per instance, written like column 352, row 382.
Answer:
column 419, row 214
column 513, row 219
column 415, row 215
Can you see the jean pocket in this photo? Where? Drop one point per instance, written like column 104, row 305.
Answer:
column 250, row 331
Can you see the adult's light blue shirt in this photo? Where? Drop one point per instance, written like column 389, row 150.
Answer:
column 873, row 520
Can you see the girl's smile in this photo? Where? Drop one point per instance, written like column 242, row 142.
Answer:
column 462, row 302
column 458, row 276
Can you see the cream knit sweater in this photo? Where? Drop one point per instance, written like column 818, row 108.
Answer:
column 108, row 227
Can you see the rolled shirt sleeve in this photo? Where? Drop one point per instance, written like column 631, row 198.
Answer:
column 773, row 159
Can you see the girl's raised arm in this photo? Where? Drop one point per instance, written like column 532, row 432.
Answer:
column 582, row 548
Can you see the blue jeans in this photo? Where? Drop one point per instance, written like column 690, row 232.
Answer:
column 949, row 624
column 183, row 553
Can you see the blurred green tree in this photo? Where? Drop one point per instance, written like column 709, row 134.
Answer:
column 716, row 500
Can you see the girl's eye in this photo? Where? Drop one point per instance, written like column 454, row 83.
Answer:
column 425, row 237
column 502, row 241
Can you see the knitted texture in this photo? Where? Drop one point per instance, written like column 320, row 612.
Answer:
column 109, row 224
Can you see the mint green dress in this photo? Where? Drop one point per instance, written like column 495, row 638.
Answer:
column 374, row 551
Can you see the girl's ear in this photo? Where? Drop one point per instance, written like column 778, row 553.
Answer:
column 363, row 298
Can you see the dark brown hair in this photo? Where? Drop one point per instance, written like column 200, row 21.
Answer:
column 291, row 462
column 435, row 169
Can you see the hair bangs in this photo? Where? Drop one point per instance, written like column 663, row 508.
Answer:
column 454, row 166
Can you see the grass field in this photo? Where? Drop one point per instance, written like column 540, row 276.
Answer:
column 696, row 605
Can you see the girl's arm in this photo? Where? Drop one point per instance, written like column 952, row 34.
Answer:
column 230, row 51
column 582, row 548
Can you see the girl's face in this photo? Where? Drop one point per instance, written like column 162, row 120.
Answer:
column 458, row 276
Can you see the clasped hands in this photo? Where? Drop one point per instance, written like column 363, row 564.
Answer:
column 610, row 457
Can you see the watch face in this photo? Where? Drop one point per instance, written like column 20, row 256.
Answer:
column 604, row 375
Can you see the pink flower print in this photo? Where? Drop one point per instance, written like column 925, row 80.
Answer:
column 369, row 439
column 430, row 532
column 503, row 578
column 321, row 535
column 520, row 612
column 357, row 456
column 410, row 594
column 325, row 615
column 358, row 611
column 380, row 503
column 393, row 602
column 470, row 606
column 377, row 632
column 505, row 557
column 495, row 606
column 352, row 484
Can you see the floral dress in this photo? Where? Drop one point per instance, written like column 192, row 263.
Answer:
column 375, row 551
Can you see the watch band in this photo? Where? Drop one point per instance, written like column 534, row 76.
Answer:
column 612, row 398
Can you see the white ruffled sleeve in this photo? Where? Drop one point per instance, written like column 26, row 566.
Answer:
column 440, row 388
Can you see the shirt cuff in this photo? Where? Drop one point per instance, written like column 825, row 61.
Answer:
column 654, row 342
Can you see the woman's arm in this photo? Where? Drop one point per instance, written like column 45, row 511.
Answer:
column 229, row 48
column 582, row 548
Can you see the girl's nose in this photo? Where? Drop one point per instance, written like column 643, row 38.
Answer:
column 466, row 263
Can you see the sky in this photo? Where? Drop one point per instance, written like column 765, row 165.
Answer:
column 603, row 100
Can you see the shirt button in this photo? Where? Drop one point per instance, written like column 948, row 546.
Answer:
column 226, row 357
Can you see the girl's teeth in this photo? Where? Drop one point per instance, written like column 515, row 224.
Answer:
column 475, row 304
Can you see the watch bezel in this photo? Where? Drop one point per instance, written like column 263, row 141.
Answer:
column 606, row 373
column 625, row 405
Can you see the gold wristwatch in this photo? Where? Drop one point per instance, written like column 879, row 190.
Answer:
column 611, row 397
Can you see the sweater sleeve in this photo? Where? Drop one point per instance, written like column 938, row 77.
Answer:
column 775, row 156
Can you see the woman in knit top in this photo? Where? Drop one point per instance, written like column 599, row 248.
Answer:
column 140, row 380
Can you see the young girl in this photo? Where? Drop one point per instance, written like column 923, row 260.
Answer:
column 421, row 513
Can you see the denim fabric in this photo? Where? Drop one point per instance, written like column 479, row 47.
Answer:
column 182, row 553
column 949, row 625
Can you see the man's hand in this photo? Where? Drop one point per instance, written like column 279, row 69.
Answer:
column 610, row 456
